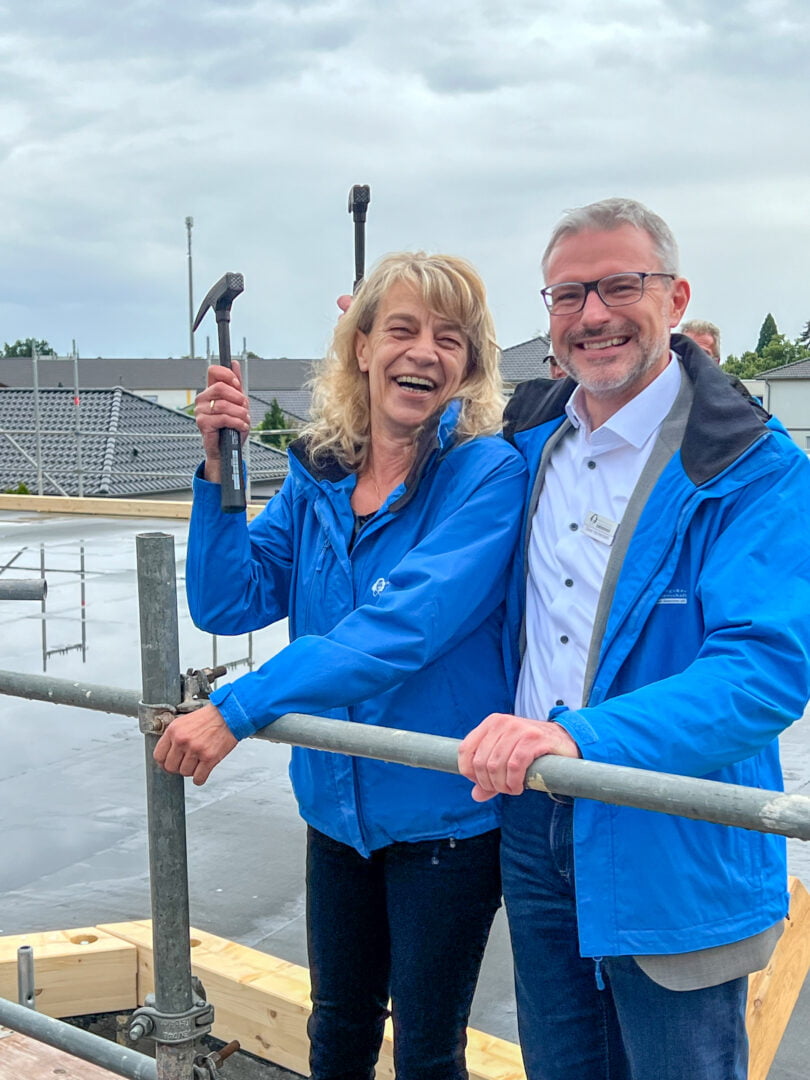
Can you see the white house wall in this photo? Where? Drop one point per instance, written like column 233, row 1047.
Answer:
column 789, row 400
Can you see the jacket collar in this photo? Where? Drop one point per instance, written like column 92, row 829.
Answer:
column 438, row 434
column 722, row 422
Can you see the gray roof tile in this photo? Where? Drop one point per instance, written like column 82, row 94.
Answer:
column 119, row 458
column 148, row 373
column 525, row 361
column 799, row 369
column 295, row 403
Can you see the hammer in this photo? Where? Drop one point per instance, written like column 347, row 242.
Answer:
column 220, row 297
column 359, row 198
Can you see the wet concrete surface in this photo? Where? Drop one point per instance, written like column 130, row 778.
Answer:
column 72, row 803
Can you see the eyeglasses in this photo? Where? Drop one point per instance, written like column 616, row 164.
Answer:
column 615, row 290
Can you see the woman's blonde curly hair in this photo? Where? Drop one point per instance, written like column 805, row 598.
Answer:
column 451, row 288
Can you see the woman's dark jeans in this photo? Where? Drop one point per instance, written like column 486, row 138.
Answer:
column 409, row 923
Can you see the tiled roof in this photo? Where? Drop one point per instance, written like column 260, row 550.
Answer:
column 295, row 403
column 525, row 361
column 120, row 454
column 799, row 369
column 149, row 373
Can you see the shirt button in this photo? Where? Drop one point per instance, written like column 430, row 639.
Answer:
column 559, row 701
column 569, row 582
column 591, row 464
column 573, row 526
column 564, row 638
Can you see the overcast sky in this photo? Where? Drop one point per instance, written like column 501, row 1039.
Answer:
column 476, row 124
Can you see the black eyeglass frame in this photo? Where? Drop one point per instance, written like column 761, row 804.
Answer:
column 593, row 286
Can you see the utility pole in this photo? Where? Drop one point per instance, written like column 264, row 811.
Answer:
column 189, row 226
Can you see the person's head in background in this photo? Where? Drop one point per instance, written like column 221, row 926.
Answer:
column 554, row 369
column 705, row 334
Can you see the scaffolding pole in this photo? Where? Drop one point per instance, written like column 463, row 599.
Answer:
column 120, row 1060
column 174, row 1019
column 685, row 796
column 23, row 589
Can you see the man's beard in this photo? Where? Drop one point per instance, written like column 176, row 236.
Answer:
column 650, row 352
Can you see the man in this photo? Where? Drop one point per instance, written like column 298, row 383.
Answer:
column 554, row 369
column 667, row 589
column 705, row 334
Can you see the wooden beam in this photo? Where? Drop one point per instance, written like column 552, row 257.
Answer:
column 23, row 1058
column 75, row 971
column 773, row 992
column 62, row 504
column 264, row 1003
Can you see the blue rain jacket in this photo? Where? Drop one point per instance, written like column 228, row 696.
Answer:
column 402, row 629
column 705, row 659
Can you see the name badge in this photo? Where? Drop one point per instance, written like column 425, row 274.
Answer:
column 600, row 528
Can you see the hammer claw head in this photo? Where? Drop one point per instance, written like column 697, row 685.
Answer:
column 221, row 296
column 359, row 198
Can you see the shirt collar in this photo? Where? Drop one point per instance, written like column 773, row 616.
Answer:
column 636, row 421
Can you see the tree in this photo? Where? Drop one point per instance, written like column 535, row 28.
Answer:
column 767, row 331
column 778, row 352
column 274, row 419
column 746, row 366
column 26, row 347
column 804, row 336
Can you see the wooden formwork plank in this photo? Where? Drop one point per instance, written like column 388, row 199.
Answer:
column 75, row 971
column 773, row 992
column 23, row 1058
column 264, row 1003
column 68, row 504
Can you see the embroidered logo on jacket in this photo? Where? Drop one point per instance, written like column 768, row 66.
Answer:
column 673, row 596
column 378, row 586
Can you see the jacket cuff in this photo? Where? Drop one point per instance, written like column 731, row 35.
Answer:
column 577, row 727
column 235, row 717
column 203, row 488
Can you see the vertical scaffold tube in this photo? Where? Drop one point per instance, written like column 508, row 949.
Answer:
column 160, row 671
column 26, row 982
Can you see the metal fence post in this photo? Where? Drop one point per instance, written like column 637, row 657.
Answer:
column 37, row 420
column 160, row 671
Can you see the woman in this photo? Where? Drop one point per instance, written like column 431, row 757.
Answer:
column 387, row 548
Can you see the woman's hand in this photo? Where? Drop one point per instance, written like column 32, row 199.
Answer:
column 221, row 405
column 194, row 743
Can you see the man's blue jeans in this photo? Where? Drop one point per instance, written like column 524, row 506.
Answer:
column 410, row 922
column 633, row 1029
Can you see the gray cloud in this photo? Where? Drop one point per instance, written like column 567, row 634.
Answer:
column 475, row 129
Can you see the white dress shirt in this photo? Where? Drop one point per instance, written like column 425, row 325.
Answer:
column 588, row 483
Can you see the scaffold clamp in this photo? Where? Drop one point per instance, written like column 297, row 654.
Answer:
column 171, row 1028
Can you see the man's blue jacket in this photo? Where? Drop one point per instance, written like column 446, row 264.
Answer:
column 704, row 660
column 403, row 628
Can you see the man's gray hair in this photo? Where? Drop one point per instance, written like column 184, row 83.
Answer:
column 702, row 326
column 611, row 214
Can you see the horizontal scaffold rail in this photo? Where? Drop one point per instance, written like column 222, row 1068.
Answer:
column 121, row 1060
column 684, row 796
column 23, row 589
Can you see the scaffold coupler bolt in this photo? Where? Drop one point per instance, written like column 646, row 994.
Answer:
column 196, row 687
column 171, row 1028
column 154, row 719
column 206, row 1066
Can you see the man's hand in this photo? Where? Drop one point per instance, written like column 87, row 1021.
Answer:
column 194, row 743
column 497, row 753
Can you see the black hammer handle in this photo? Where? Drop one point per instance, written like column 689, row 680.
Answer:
column 359, row 198
column 230, row 441
column 220, row 297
